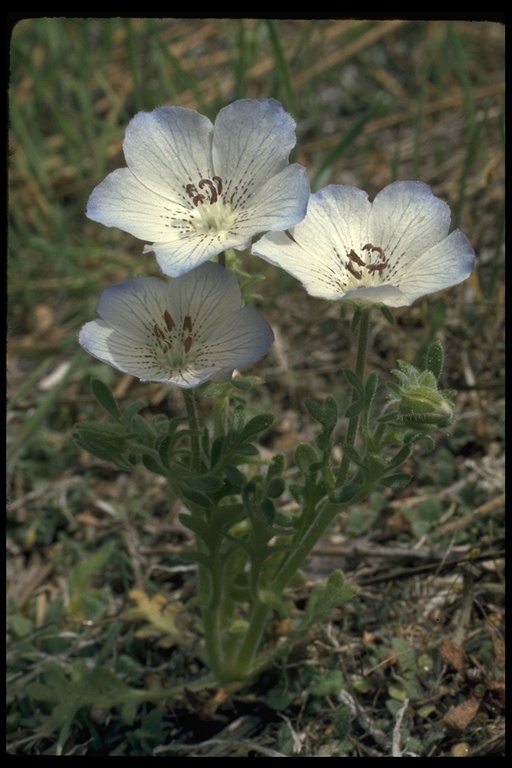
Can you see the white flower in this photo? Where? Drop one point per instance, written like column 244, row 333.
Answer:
column 194, row 189
column 182, row 331
column 391, row 251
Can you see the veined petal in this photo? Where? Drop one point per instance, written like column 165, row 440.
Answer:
column 210, row 292
column 337, row 214
column 120, row 350
column 122, row 201
column 336, row 222
column 251, row 142
column 184, row 331
column 405, row 221
column 448, row 263
column 186, row 250
column 237, row 341
column 279, row 204
column 168, row 148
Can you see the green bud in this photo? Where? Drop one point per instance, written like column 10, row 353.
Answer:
column 426, row 402
column 416, row 402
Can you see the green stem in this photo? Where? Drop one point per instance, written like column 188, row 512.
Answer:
column 190, row 405
column 364, row 325
column 319, row 525
column 252, row 640
column 325, row 517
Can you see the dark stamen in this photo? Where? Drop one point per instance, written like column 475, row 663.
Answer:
column 169, row 322
column 358, row 260
column 353, row 271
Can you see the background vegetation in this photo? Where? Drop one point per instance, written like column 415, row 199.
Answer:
column 374, row 101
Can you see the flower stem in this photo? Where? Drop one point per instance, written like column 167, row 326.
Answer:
column 321, row 521
column 319, row 525
column 252, row 640
column 190, row 405
column 364, row 325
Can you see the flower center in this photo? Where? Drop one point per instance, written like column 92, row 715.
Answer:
column 211, row 212
column 173, row 344
column 370, row 265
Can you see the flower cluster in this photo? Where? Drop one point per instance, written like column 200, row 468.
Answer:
column 194, row 189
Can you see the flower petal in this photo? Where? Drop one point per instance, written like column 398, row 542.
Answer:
column 134, row 306
column 336, row 222
column 448, row 263
column 165, row 150
column 209, row 292
column 122, row 201
column 168, row 148
column 186, row 250
column 122, row 351
column 406, row 220
column 238, row 341
column 251, row 142
column 279, row 204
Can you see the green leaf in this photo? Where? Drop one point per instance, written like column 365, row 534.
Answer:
column 205, row 483
column 238, row 419
column 353, row 455
column 314, row 409
column 387, row 314
column 275, row 487
column 105, row 397
column 233, row 475
column 247, row 449
column 197, row 525
column 227, row 516
column 328, row 685
column 142, row 429
column 354, row 409
column 81, row 575
column 399, row 457
column 330, row 413
column 354, row 380
column 397, row 481
column 344, row 494
column 256, row 425
column 276, row 466
column 435, row 358
column 246, row 382
column 370, row 388
column 83, row 688
column 342, row 723
column 325, row 597
column 201, row 499
column 152, row 464
column 306, row 457
column 107, row 441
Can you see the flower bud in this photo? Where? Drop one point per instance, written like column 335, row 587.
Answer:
column 423, row 401
column 417, row 403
